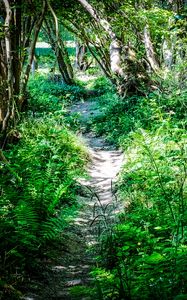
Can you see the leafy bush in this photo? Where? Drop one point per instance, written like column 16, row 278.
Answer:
column 103, row 85
column 115, row 120
column 123, row 116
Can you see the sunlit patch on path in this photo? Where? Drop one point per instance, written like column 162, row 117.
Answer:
column 76, row 262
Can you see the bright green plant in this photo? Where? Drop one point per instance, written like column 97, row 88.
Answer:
column 38, row 185
column 143, row 256
column 146, row 255
column 45, row 95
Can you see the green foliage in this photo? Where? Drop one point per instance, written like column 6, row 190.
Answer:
column 122, row 116
column 49, row 96
column 158, row 20
column 116, row 120
column 38, row 186
column 144, row 255
column 81, row 291
column 102, row 85
column 45, row 61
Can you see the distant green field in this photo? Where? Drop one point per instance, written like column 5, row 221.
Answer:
column 48, row 51
column 44, row 49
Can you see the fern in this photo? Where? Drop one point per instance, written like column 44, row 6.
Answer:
column 25, row 217
column 52, row 228
column 39, row 183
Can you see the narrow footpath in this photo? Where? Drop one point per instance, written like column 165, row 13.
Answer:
column 70, row 279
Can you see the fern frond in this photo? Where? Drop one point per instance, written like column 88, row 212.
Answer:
column 26, row 217
column 52, row 228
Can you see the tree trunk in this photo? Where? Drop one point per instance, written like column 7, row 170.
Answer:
column 81, row 58
column 150, row 53
column 8, row 108
column 129, row 74
column 115, row 57
column 115, row 46
column 16, row 37
column 26, row 74
column 34, row 65
column 167, row 53
column 67, row 62
column 62, row 56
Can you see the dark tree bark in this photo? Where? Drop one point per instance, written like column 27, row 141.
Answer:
column 7, row 108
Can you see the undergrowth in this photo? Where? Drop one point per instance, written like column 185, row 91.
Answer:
column 38, row 186
column 47, row 95
column 122, row 116
column 145, row 254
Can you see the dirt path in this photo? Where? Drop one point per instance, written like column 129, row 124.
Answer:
column 105, row 159
column 70, row 279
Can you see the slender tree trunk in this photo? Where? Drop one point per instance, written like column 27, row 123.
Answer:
column 26, row 74
column 34, row 65
column 62, row 56
column 17, row 29
column 99, row 53
column 65, row 56
column 28, row 25
column 16, row 47
column 104, row 67
column 57, row 44
column 167, row 54
column 8, row 108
